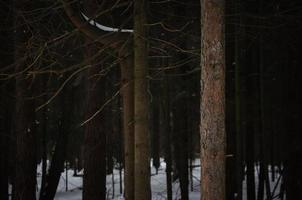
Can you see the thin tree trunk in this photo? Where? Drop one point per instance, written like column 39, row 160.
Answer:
column 250, row 170
column 212, row 126
column 239, row 55
column 142, row 150
column 165, row 112
column 155, row 136
column 44, row 154
column 251, row 117
column 6, row 53
column 4, row 148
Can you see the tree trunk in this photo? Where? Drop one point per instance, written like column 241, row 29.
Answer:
column 58, row 158
column 212, row 127
column 128, row 114
column 44, row 148
column 180, row 141
column 165, row 112
column 239, row 55
column 25, row 180
column 155, row 135
column 25, row 139
column 6, row 53
column 94, row 182
column 142, row 160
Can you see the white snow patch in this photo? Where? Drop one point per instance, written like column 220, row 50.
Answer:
column 105, row 28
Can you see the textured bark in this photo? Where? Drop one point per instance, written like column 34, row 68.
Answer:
column 212, row 127
column 128, row 113
column 142, row 160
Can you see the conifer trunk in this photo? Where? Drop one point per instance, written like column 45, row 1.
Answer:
column 25, row 177
column 128, row 113
column 212, row 127
column 142, row 160
column 94, row 182
column 6, row 52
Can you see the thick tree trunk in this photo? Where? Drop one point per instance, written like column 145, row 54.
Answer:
column 25, row 140
column 212, row 127
column 25, row 143
column 58, row 158
column 25, row 180
column 142, row 160
column 94, row 182
column 128, row 121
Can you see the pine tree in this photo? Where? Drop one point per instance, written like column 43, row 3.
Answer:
column 212, row 109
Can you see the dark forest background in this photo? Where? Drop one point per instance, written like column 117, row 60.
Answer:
column 62, row 92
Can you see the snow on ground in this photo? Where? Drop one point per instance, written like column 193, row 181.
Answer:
column 158, row 184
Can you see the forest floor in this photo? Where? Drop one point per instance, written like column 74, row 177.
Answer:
column 158, row 184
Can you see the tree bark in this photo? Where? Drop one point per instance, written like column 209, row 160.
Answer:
column 128, row 121
column 94, row 182
column 142, row 160
column 212, row 127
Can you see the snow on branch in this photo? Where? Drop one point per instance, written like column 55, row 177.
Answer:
column 105, row 28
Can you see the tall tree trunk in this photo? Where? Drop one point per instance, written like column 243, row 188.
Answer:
column 25, row 180
column 6, row 54
column 128, row 121
column 250, row 139
column 44, row 147
column 94, row 182
column 58, row 158
column 165, row 112
column 142, row 160
column 155, row 135
column 4, row 144
column 25, row 139
column 239, row 55
column 180, row 141
column 212, row 108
